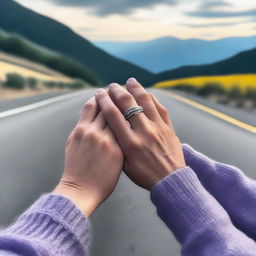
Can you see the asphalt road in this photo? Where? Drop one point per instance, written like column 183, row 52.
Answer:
column 31, row 162
column 246, row 116
column 15, row 103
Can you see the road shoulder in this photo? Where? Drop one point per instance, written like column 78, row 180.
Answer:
column 248, row 117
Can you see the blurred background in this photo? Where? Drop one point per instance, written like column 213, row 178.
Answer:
column 197, row 56
column 205, row 48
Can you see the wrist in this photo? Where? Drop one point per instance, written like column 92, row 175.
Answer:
column 82, row 199
column 167, row 165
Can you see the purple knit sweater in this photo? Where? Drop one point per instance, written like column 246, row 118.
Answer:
column 210, row 207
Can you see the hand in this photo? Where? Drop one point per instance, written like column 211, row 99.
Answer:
column 151, row 148
column 93, row 161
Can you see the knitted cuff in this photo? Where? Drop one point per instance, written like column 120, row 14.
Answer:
column 184, row 205
column 55, row 222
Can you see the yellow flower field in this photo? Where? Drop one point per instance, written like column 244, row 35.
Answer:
column 227, row 81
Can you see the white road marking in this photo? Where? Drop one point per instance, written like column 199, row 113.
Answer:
column 39, row 104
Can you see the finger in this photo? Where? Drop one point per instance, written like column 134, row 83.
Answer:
column 161, row 110
column 108, row 131
column 100, row 122
column 89, row 111
column 143, row 99
column 115, row 119
column 124, row 100
column 69, row 139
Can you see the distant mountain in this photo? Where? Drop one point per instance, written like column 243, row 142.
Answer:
column 169, row 53
column 58, row 37
column 242, row 63
column 55, row 36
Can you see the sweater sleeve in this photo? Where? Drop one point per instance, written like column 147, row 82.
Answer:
column 197, row 220
column 52, row 226
column 231, row 188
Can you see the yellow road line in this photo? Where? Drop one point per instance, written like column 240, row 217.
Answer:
column 212, row 111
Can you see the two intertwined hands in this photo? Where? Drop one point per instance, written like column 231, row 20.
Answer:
column 103, row 143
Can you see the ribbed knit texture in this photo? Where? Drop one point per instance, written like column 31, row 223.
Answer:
column 197, row 205
column 52, row 226
column 231, row 188
column 197, row 220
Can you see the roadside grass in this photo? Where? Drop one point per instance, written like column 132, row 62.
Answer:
column 16, row 85
column 39, row 74
column 234, row 90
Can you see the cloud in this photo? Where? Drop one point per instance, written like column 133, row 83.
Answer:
column 85, row 29
column 222, row 14
column 108, row 7
column 217, row 9
column 214, row 4
column 209, row 25
column 217, row 24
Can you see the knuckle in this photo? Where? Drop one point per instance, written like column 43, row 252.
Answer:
column 125, row 97
column 68, row 141
column 109, row 111
column 149, row 133
column 133, row 146
column 89, row 105
column 105, row 143
column 164, row 111
column 169, row 131
column 78, row 133
column 143, row 97
column 91, row 135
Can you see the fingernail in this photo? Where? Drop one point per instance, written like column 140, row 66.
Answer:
column 131, row 80
column 100, row 91
column 113, row 85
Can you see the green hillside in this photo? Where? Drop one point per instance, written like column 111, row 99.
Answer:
column 57, row 37
column 19, row 46
column 242, row 63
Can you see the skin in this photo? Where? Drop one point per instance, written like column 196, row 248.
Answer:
column 150, row 146
column 93, row 161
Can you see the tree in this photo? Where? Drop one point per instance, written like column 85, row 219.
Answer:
column 15, row 81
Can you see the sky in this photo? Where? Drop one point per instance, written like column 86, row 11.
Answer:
column 141, row 20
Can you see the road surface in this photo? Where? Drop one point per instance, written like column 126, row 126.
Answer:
column 31, row 162
column 8, row 104
column 247, row 116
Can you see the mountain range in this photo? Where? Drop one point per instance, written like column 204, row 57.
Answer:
column 167, row 53
column 50, row 34
column 242, row 63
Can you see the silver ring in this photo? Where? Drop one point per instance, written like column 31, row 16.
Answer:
column 133, row 111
